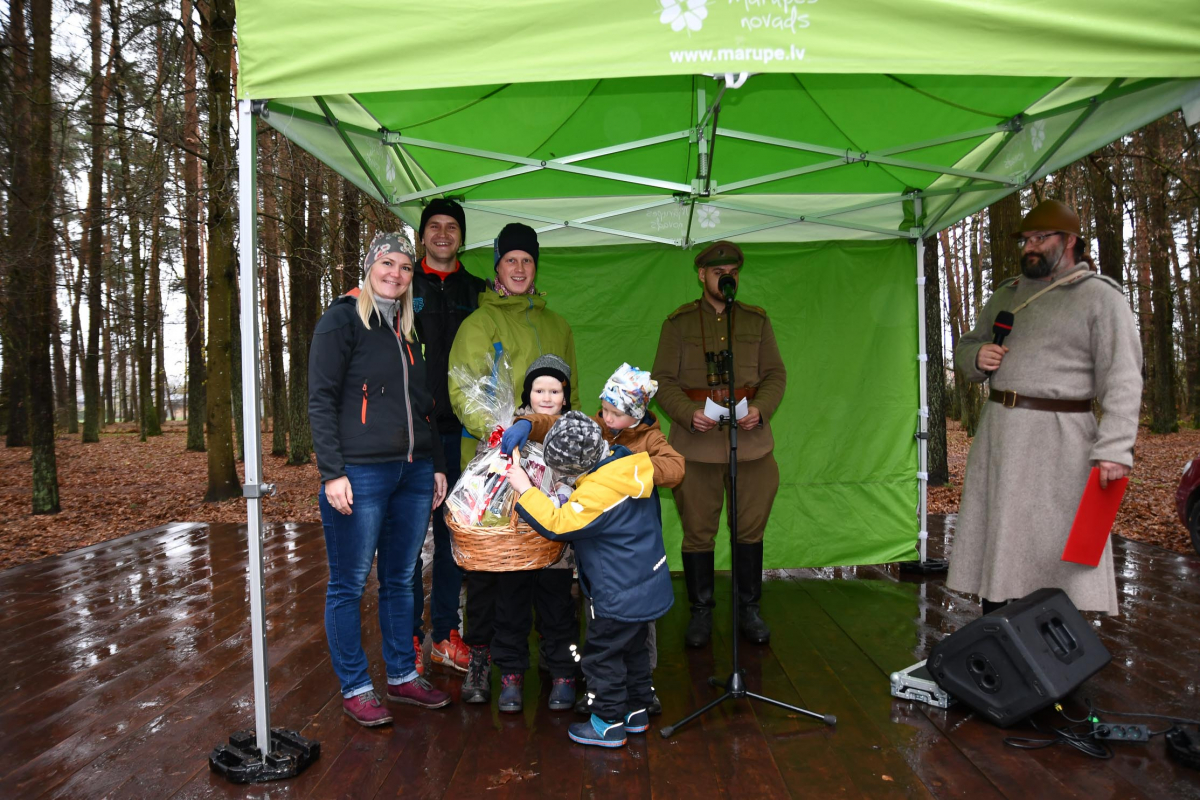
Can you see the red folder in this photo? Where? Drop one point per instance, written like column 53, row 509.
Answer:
column 1094, row 520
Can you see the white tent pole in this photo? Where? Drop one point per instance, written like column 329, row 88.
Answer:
column 253, row 489
column 923, row 409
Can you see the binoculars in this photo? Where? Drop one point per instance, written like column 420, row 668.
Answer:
column 716, row 365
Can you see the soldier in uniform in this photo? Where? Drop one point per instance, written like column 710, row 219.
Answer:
column 688, row 368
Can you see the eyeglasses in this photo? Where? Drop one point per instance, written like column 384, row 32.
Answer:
column 1036, row 238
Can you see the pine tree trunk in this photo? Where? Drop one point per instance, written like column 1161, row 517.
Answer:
column 1004, row 220
column 279, row 402
column 222, row 472
column 303, row 297
column 61, row 412
column 20, row 242
column 939, row 470
column 43, row 268
column 1164, row 412
column 95, row 237
column 145, row 414
column 352, row 254
column 150, row 367
column 1110, row 233
column 74, row 356
column 1187, row 321
column 110, row 413
column 193, row 280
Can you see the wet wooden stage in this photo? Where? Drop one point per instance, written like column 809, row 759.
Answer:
column 125, row 663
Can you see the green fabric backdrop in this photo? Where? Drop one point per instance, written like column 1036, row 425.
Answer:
column 844, row 314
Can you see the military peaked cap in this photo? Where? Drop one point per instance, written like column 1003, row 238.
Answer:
column 720, row 254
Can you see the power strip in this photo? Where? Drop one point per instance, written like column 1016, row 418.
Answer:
column 1120, row 733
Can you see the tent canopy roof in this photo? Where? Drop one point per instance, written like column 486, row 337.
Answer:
column 583, row 120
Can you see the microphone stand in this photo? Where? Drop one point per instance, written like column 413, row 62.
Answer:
column 735, row 684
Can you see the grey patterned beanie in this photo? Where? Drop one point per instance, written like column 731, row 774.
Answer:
column 388, row 242
column 574, row 444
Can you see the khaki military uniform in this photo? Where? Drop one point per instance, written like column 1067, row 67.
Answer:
column 680, row 369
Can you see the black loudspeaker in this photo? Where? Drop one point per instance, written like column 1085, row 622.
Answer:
column 1019, row 659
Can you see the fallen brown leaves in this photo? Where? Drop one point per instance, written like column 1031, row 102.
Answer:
column 508, row 775
column 120, row 485
column 1148, row 512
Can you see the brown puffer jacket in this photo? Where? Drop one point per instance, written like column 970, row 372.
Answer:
column 646, row 437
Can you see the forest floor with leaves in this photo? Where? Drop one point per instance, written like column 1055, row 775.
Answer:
column 120, row 486
column 1148, row 511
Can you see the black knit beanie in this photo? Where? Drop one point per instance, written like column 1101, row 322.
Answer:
column 550, row 366
column 574, row 444
column 440, row 205
column 516, row 236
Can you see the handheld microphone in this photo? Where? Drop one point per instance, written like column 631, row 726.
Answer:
column 728, row 286
column 1002, row 327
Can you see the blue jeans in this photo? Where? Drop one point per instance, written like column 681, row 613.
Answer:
column 390, row 512
column 447, row 576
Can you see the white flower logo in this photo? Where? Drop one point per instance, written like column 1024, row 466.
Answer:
column 680, row 14
column 709, row 217
column 1037, row 135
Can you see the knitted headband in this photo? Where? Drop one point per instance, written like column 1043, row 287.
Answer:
column 388, row 242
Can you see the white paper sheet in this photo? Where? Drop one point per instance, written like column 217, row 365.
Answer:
column 717, row 412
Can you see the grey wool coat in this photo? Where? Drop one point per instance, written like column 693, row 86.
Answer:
column 1027, row 469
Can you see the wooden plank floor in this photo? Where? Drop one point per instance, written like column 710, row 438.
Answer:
column 126, row 662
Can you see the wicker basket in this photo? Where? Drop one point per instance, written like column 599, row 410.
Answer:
column 506, row 548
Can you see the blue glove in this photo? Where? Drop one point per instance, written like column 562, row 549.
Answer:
column 515, row 436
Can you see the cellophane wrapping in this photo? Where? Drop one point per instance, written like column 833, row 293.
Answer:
column 482, row 496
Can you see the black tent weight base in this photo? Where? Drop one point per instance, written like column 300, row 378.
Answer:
column 241, row 762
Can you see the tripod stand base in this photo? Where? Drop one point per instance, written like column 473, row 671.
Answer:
column 735, row 688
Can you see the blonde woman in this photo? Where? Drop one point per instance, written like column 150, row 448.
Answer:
column 382, row 471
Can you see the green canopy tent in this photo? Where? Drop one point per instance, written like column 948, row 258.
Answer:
column 825, row 138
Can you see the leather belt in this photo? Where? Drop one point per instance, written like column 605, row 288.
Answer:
column 719, row 395
column 1014, row 400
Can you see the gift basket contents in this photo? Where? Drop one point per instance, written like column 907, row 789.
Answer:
column 485, row 532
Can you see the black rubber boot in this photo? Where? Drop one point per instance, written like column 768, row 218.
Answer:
column 750, row 560
column 698, row 575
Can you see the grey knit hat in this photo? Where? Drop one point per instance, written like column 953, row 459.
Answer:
column 552, row 366
column 388, row 242
column 574, row 444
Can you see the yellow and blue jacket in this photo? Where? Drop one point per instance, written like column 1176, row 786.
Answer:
column 615, row 522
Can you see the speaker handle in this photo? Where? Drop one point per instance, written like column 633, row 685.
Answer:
column 1062, row 643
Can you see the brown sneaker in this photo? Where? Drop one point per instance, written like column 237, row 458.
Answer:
column 451, row 653
column 418, row 692
column 365, row 709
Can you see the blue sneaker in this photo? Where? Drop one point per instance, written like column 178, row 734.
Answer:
column 637, row 721
column 598, row 732
column 511, row 686
column 562, row 695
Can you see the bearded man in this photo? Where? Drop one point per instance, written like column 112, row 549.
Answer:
column 1074, row 343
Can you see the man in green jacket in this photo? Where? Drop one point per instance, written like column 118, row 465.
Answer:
column 511, row 320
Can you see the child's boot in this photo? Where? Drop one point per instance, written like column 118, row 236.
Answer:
column 511, row 688
column 562, row 694
column 477, row 683
column 637, row 721
column 598, row 732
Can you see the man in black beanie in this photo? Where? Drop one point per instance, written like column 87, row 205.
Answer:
column 444, row 294
column 517, row 236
